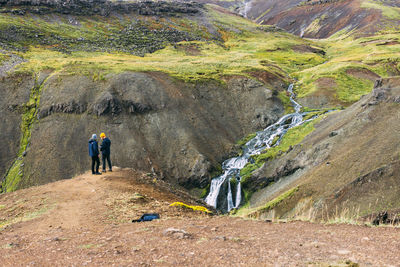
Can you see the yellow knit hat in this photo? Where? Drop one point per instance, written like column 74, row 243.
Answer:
column 102, row 135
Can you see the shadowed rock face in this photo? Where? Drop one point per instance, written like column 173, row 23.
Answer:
column 14, row 91
column 177, row 130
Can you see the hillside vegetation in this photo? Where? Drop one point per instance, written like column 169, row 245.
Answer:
column 186, row 81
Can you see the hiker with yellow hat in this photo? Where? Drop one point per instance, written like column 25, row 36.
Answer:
column 105, row 151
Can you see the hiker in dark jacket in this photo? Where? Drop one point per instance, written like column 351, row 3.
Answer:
column 105, row 151
column 94, row 153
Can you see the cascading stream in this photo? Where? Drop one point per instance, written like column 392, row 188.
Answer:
column 262, row 141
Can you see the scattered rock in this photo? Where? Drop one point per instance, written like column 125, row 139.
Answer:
column 381, row 218
column 223, row 238
column 100, row 7
column 333, row 133
column 343, row 251
column 177, row 233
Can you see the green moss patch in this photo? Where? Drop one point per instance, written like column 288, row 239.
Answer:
column 246, row 211
column 3, row 58
column 29, row 115
column 273, row 203
column 283, row 96
column 390, row 12
column 246, row 139
column 293, row 137
column 345, row 53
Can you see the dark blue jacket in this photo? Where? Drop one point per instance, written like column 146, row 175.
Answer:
column 93, row 148
column 105, row 146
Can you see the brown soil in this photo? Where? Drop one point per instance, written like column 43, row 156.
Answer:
column 86, row 221
column 307, row 49
column 389, row 43
column 324, row 96
column 266, row 77
column 350, row 14
column 363, row 74
column 189, row 49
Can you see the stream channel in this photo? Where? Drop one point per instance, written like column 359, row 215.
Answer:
column 263, row 140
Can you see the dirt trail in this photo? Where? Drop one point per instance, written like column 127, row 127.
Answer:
column 86, row 221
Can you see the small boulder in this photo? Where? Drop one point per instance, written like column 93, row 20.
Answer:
column 333, row 133
column 177, row 233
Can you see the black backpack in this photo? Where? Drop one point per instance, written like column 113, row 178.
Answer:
column 148, row 217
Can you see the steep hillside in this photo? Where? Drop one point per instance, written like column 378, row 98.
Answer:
column 359, row 42
column 178, row 87
column 174, row 89
column 320, row 18
column 348, row 167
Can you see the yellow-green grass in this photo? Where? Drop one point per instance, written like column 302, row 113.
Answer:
column 389, row 12
column 346, row 53
column 238, row 56
column 3, row 57
column 243, row 46
column 293, row 137
column 246, row 211
column 25, row 216
column 29, row 115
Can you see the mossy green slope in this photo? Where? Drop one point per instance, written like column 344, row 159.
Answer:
column 29, row 116
column 211, row 47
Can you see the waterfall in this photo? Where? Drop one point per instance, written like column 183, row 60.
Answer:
column 229, row 197
column 245, row 8
column 265, row 139
column 238, row 195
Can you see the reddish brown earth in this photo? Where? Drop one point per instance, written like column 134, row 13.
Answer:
column 349, row 15
column 363, row 74
column 86, row 222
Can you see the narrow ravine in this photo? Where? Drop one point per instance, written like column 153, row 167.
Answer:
column 265, row 139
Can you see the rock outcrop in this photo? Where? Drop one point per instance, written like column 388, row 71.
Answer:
column 179, row 131
column 98, row 7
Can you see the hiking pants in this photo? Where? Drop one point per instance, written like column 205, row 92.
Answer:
column 106, row 157
column 96, row 160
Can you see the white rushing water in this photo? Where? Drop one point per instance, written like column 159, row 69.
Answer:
column 262, row 141
column 245, row 8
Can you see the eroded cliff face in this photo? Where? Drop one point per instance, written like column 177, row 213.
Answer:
column 15, row 92
column 179, row 131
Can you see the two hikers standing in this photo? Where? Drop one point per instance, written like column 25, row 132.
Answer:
column 105, row 152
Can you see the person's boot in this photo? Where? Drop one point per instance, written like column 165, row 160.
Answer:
column 98, row 173
column 110, row 170
column 103, row 170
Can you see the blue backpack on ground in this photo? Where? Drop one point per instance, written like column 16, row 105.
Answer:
column 148, row 217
